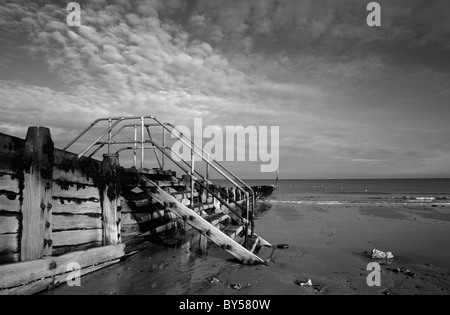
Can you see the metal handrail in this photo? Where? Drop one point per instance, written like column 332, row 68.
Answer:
column 200, row 183
column 195, row 150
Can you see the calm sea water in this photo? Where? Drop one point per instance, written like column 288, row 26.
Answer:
column 358, row 190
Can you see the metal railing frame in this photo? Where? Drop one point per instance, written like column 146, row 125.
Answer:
column 195, row 150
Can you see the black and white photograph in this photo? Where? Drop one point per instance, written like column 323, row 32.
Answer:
column 229, row 154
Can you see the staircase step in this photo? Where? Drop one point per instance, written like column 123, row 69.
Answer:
column 191, row 217
column 265, row 252
column 167, row 183
column 217, row 218
column 234, row 230
column 184, row 195
column 252, row 243
column 146, row 171
column 199, row 207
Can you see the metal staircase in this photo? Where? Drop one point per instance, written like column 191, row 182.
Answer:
column 165, row 202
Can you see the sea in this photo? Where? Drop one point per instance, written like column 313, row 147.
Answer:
column 342, row 191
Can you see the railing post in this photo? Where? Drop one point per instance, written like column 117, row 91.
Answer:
column 142, row 142
column 207, row 177
column 253, row 215
column 247, row 194
column 135, row 147
column 192, row 178
column 109, row 135
column 164, row 146
column 36, row 239
column 110, row 198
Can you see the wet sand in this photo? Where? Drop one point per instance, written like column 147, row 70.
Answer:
column 329, row 244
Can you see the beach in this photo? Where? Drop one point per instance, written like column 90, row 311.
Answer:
column 329, row 243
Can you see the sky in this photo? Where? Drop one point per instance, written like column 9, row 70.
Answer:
column 351, row 101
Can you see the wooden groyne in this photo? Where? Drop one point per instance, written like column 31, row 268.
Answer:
column 57, row 208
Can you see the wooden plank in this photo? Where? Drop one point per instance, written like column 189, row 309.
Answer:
column 9, row 163
column 10, row 202
column 62, row 157
column 184, row 195
column 52, row 282
column 68, row 238
column 26, row 271
column 110, row 170
column 127, row 229
column 206, row 228
column 234, row 230
column 135, row 218
column 127, row 236
column 8, row 183
column 217, row 218
column 9, row 224
column 37, row 194
column 9, row 244
column 60, row 250
column 139, row 218
column 82, row 192
column 10, row 144
column 152, row 171
column 34, row 218
column 71, row 176
column 76, row 207
column 8, row 259
column 75, row 222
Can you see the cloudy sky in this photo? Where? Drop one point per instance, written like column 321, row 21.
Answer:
column 351, row 101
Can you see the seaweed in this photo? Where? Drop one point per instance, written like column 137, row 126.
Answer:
column 89, row 168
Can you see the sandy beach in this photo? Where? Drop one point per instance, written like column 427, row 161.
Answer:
column 329, row 244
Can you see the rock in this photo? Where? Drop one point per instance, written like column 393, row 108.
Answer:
column 386, row 292
column 282, row 246
column 214, row 281
column 236, row 286
column 304, row 283
column 378, row 254
column 404, row 271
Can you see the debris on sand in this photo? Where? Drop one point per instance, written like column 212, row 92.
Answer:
column 214, row 281
column 236, row 286
column 378, row 254
column 304, row 283
column 386, row 292
column 282, row 246
column 404, row 271
column 308, row 284
column 319, row 289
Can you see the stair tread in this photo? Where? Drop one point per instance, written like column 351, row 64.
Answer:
column 217, row 218
column 233, row 230
column 265, row 252
column 205, row 227
column 153, row 171
column 198, row 206
column 184, row 195
column 252, row 243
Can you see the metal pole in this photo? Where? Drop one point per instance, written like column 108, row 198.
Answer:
column 246, row 224
column 99, row 138
column 164, row 146
column 142, row 142
column 207, row 178
column 109, row 135
column 154, row 149
column 192, row 178
column 135, row 147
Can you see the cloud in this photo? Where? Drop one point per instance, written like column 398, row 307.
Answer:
column 312, row 67
column 330, row 24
